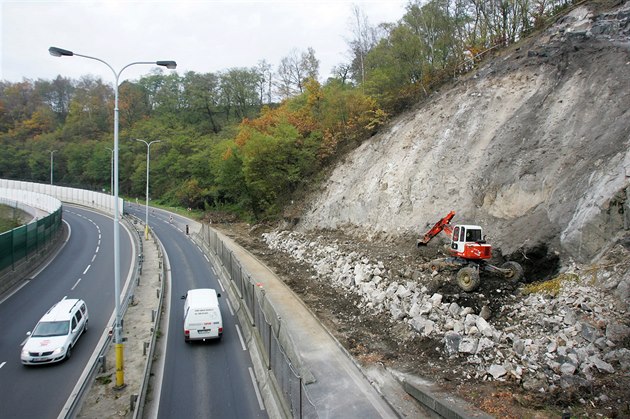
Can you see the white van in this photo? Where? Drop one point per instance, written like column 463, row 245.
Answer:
column 56, row 333
column 202, row 316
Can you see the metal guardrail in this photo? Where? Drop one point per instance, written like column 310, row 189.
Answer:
column 76, row 398
column 139, row 407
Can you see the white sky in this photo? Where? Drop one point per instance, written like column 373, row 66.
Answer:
column 202, row 36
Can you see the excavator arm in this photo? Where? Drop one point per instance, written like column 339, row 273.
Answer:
column 442, row 225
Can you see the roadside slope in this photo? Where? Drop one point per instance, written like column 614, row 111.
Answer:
column 534, row 146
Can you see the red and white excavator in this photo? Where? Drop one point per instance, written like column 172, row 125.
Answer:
column 469, row 252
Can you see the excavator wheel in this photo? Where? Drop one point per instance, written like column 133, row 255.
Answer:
column 515, row 272
column 468, row 279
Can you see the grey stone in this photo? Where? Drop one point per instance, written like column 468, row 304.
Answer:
column 590, row 333
column 567, row 368
column 497, row 371
column 454, row 309
column 484, row 327
column 484, row 343
column 621, row 356
column 436, row 300
column 451, row 342
column 601, row 365
column 485, row 313
column 617, row 332
column 468, row 345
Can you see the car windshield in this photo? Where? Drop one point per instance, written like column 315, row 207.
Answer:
column 44, row 329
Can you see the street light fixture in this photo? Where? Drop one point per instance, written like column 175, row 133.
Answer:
column 111, row 170
column 52, row 152
column 146, row 222
column 59, row 52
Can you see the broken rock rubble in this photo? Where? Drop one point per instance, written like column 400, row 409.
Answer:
column 539, row 341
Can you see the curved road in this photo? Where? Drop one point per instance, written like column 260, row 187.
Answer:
column 200, row 379
column 82, row 269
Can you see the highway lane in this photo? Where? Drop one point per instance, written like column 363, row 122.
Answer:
column 82, row 269
column 200, row 379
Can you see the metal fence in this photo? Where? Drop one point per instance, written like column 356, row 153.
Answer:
column 267, row 327
column 24, row 242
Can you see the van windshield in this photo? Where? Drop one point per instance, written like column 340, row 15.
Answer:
column 44, row 329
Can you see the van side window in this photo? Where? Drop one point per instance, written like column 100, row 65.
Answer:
column 79, row 316
column 82, row 308
column 74, row 323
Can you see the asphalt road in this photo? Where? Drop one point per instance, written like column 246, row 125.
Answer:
column 200, row 379
column 82, row 269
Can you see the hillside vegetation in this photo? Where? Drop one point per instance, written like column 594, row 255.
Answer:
column 245, row 140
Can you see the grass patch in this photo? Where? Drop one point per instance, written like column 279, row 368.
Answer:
column 104, row 379
column 551, row 287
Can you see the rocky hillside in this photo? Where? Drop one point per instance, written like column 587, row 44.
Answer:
column 534, row 146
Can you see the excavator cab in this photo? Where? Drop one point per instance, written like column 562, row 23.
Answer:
column 468, row 242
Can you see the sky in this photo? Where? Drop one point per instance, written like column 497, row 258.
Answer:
column 200, row 35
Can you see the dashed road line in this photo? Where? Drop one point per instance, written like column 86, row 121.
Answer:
column 258, row 396
column 240, row 336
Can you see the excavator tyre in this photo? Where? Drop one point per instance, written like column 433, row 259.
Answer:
column 514, row 272
column 468, row 279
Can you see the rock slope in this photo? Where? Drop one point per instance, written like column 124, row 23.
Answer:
column 534, row 146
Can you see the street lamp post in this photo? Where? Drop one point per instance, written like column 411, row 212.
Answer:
column 58, row 52
column 111, row 170
column 146, row 222
column 52, row 152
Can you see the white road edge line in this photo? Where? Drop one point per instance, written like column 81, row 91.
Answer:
column 208, row 260
column 221, row 285
column 87, row 269
column 258, row 396
column 229, row 307
column 3, row 364
column 238, row 330
column 75, row 284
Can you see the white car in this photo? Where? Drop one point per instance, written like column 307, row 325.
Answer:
column 56, row 333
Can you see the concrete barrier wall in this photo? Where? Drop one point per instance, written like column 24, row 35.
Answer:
column 97, row 200
column 45, row 203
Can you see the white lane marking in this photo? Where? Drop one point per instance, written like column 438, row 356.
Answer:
column 208, row 260
column 221, row 285
column 93, row 257
column 87, row 269
column 97, row 248
column 258, row 396
column 75, row 284
column 230, row 307
column 199, row 249
column 238, row 330
column 213, row 271
column 3, row 364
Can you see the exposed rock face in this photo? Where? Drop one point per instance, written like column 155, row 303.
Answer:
column 535, row 147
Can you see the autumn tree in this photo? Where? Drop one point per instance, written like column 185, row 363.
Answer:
column 294, row 70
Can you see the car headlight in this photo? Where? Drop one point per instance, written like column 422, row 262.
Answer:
column 24, row 353
column 58, row 351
